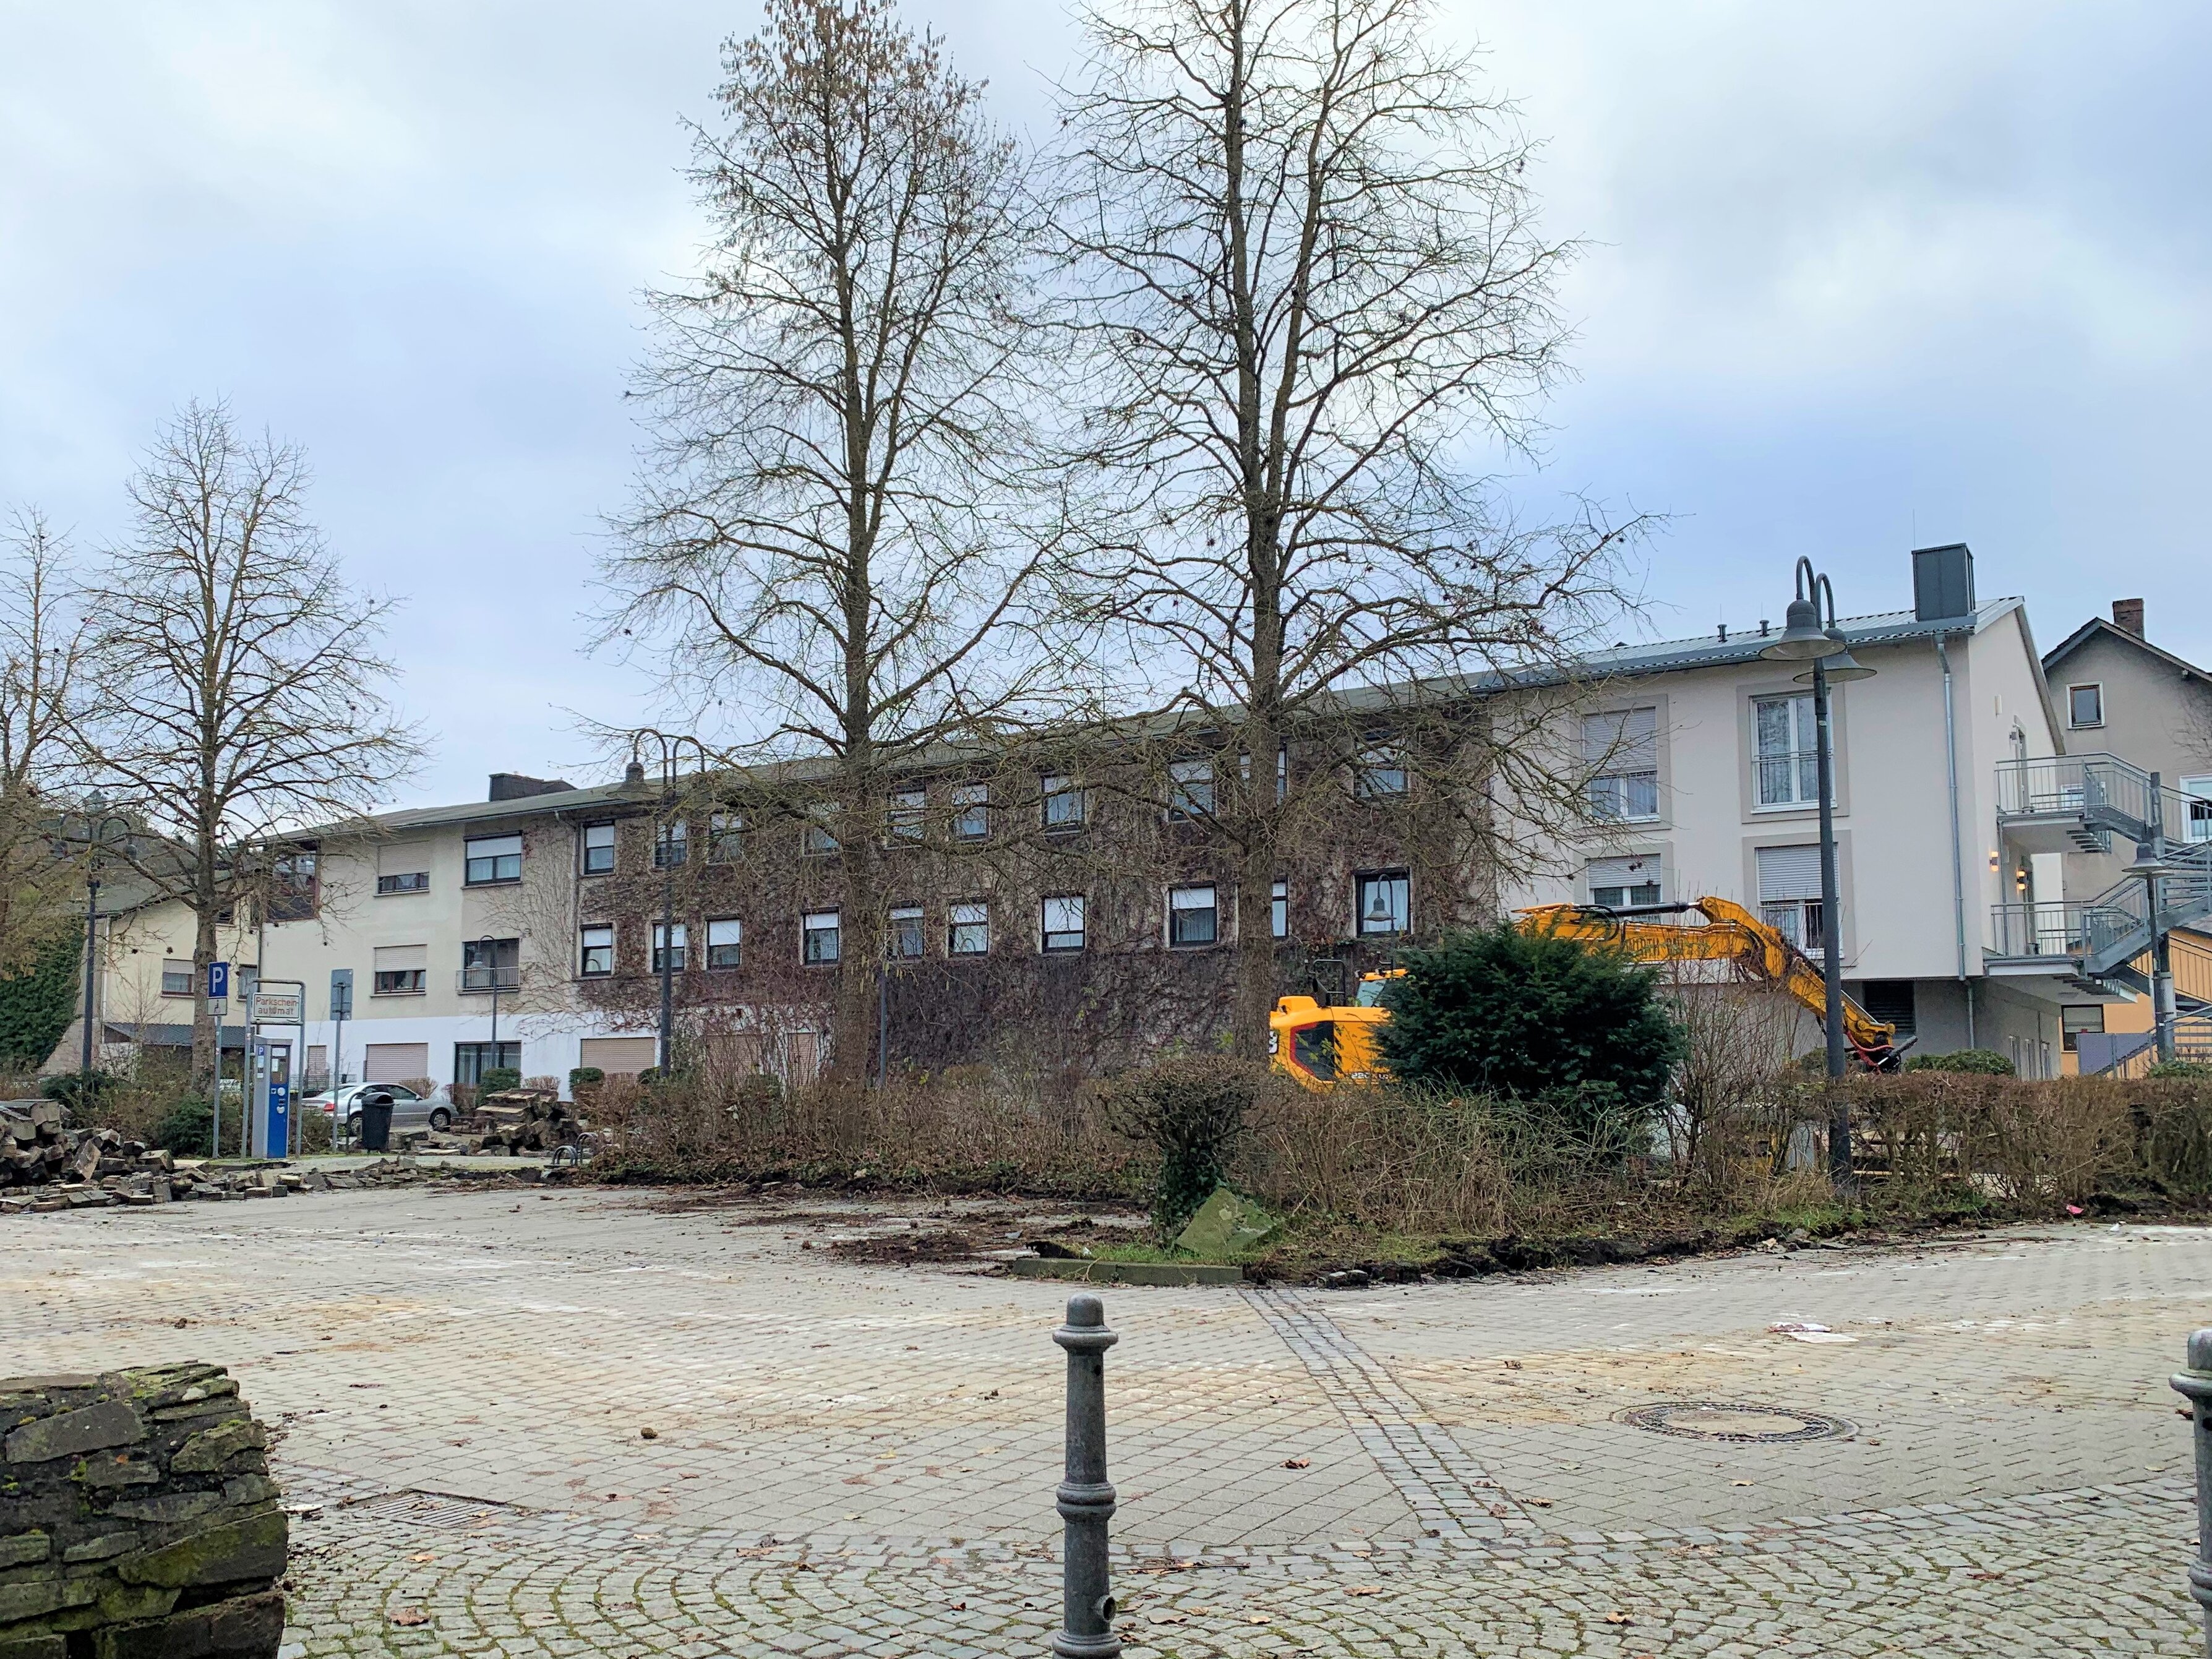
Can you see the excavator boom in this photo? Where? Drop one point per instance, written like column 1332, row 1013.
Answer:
column 1322, row 1046
column 1729, row 933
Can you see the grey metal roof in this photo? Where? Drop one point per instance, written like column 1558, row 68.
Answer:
column 1620, row 662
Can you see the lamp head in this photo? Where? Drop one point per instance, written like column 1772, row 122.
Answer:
column 1840, row 666
column 2151, row 862
column 1803, row 637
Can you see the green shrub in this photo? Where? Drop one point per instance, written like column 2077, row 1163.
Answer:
column 83, row 1093
column 1190, row 1108
column 496, row 1078
column 585, row 1077
column 2182, row 1069
column 1581, row 1027
column 184, row 1129
column 37, row 1004
column 1981, row 1062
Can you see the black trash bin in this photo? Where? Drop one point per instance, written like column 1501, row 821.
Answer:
column 376, row 1122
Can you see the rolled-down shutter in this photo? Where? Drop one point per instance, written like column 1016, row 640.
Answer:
column 395, row 1062
column 1788, row 872
column 621, row 1056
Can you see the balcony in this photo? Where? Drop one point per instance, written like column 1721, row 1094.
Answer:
column 2075, row 803
column 489, row 981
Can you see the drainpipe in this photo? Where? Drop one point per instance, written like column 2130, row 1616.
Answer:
column 1958, row 851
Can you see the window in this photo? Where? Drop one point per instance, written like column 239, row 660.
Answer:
column 673, row 940
column 1621, row 748
column 1064, row 806
column 903, row 937
column 1063, row 923
column 725, row 838
column 598, row 956
column 2197, row 807
column 2085, row 706
column 176, row 978
column 820, row 839
column 403, row 881
column 971, row 811
column 818, row 941
column 491, row 965
column 968, row 929
column 1193, row 916
column 1279, row 911
column 598, row 850
column 2074, row 1019
column 1789, row 894
column 472, row 1060
column 491, row 859
column 1384, row 900
column 671, row 847
column 1190, row 789
column 400, row 970
column 292, row 887
column 1380, row 772
column 1787, row 763
column 1614, row 882
column 909, row 814
column 725, row 940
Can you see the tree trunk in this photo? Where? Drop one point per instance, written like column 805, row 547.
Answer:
column 860, row 946
column 207, row 1045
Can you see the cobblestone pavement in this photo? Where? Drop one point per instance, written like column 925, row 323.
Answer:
column 860, row 1460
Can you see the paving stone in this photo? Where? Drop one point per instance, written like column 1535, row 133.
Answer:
column 851, row 1460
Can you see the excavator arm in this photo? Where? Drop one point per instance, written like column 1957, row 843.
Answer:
column 1728, row 933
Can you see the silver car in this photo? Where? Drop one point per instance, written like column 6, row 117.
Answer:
column 410, row 1110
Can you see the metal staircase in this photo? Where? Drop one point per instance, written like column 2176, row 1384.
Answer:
column 2078, row 803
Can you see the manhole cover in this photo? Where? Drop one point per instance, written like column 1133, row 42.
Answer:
column 1764, row 1425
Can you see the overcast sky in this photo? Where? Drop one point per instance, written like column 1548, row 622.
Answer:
column 1860, row 278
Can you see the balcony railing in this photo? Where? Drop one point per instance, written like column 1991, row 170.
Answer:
column 487, row 981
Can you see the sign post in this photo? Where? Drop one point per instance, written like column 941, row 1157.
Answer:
column 218, row 986
column 341, row 1010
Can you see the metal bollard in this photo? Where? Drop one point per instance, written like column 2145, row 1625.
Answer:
column 2196, row 1383
column 1086, row 1497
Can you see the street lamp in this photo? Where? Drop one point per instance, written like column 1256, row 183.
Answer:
column 664, row 850
column 1810, row 635
column 97, row 819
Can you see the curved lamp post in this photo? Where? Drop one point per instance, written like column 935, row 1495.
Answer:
column 96, row 819
column 1810, row 635
column 670, row 751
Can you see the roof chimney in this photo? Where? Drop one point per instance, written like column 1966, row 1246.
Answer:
column 2127, row 615
column 512, row 786
column 1942, row 582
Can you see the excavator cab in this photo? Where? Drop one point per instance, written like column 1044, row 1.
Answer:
column 1321, row 1045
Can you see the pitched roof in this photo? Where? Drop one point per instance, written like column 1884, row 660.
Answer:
column 2096, row 625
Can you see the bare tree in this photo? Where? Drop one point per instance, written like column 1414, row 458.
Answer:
column 1312, row 281
column 828, row 542
column 237, row 690
column 41, row 652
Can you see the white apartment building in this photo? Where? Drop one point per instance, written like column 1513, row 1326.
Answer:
column 485, row 934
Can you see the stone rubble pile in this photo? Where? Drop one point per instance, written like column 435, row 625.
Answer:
column 139, row 1521
column 511, row 1122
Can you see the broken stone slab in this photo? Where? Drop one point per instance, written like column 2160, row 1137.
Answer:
column 1227, row 1225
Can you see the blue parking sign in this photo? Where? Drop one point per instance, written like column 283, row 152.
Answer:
column 218, row 982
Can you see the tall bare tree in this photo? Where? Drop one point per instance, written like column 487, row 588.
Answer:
column 828, row 547
column 237, row 691
column 1311, row 284
column 41, row 651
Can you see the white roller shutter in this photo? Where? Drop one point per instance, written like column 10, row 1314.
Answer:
column 392, row 958
column 1788, row 872
column 395, row 1062
column 621, row 1056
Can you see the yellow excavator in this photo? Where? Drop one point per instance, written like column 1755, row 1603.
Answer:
column 1322, row 1046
